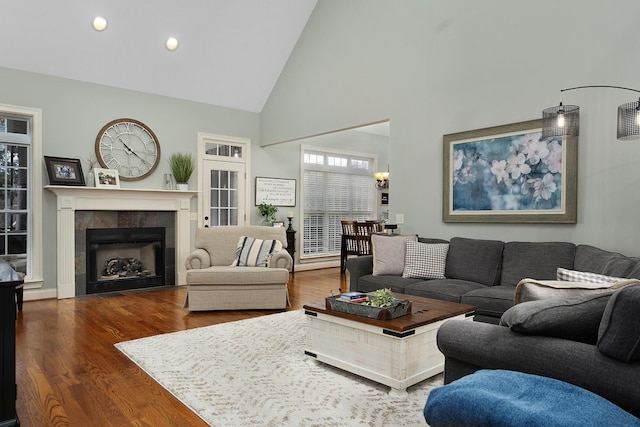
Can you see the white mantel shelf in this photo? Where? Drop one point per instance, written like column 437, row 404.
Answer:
column 71, row 199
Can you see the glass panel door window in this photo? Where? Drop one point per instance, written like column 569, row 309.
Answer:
column 224, row 193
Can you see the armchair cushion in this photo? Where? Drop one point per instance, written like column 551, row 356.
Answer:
column 252, row 252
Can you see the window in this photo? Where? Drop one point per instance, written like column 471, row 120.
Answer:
column 336, row 186
column 20, row 199
column 15, row 140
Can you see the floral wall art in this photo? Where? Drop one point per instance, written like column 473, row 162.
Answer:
column 508, row 174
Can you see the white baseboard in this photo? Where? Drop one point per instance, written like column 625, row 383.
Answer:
column 36, row 294
column 316, row 265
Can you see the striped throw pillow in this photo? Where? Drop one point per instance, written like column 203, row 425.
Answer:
column 253, row 252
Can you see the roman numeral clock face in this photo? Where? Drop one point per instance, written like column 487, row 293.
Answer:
column 128, row 146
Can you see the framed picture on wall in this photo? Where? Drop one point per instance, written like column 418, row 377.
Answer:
column 275, row 191
column 508, row 174
column 384, row 198
column 64, row 171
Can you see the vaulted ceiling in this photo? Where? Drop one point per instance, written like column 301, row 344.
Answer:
column 230, row 53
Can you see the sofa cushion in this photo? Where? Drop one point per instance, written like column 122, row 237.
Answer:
column 424, row 260
column 620, row 266
column 475, row 260
column 370, row 283
column 619, row 333
column 442, row 289
column 252, row 252
column 490, row 301
column 535, row 260
column 585, row 277
column 389, row 252
column 592, row 259
column 576, row 319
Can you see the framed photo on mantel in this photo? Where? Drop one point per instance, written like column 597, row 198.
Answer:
column 64, row 171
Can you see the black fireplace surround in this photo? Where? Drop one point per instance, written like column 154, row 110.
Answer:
column 150, row 239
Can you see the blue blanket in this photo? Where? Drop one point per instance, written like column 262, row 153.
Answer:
column 500, row 398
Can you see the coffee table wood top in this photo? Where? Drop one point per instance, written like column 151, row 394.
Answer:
column 423, row 312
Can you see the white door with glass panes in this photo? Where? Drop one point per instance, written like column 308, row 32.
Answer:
column 223, row 180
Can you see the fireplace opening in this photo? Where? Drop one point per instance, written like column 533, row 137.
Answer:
column 124, row 258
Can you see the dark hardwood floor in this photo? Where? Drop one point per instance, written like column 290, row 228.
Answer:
column 70, row 374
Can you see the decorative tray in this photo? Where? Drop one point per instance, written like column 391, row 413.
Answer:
column 397, row 309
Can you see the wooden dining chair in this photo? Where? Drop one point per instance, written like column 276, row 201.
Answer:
column 349, row 244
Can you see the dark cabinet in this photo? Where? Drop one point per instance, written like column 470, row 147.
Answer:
column 9, row 279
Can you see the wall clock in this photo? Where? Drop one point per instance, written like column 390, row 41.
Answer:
column 128, row 146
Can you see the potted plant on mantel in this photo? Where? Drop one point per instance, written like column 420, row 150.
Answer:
column 182, row 166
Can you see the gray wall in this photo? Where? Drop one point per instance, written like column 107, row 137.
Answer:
column 437, row 67
column 73, row 112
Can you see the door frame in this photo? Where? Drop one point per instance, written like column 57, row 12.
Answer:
column 203, row 137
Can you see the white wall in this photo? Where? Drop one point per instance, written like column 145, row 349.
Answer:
column 73, row 112
column 439, row 66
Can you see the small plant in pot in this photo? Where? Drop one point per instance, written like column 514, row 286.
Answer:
column 269, row 212
column 182, row 166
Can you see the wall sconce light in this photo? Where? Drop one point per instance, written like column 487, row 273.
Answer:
column 382, row 179
column 564, row 120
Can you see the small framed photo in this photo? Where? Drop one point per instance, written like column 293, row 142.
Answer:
column 64, row 171
column 106, row 178
column 384, row 199
column 278, row 224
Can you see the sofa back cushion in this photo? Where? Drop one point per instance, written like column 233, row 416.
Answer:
column 618, row 335
column 221, row 242
column 535, row 260
column 474, row 260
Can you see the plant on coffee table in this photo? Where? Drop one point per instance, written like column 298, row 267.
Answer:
column 381, row 298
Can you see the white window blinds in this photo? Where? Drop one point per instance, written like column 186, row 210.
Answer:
column 337, row 186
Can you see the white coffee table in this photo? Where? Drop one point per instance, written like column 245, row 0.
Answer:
column 398, row 352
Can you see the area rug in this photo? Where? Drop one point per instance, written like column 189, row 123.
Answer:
column 254, row 372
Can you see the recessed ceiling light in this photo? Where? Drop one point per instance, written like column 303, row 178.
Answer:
column 99, row 23
column 172, row 43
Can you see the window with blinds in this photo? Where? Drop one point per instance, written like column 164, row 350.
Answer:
column 337, row 186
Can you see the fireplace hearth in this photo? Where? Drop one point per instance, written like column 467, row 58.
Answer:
column 124, row 258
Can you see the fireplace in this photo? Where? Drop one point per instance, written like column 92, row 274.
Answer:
column 124, row 258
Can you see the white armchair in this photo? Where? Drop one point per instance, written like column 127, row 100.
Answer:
column 215, row 284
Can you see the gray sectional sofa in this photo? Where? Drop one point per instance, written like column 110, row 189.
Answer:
column 484, row 273
column 603, row 358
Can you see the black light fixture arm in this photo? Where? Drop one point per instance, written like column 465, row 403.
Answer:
column 612, row 87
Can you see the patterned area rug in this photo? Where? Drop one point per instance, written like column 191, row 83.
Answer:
column 254, row 372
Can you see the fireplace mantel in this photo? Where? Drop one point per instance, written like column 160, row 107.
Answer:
column 70, row 199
